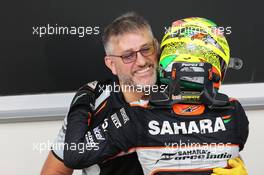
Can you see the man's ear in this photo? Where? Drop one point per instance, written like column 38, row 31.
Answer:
column 109, row 62
column 157, row 45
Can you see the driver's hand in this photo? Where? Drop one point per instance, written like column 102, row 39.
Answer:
column 237, row 167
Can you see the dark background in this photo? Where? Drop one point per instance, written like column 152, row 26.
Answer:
column 31, row 64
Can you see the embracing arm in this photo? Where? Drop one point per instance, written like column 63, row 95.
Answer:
column 85, row 145
column 54, row 164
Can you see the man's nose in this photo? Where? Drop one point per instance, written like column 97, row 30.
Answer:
column 141, row 60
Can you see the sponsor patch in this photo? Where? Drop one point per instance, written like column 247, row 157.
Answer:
column 92, row 84
column 116, row 120
column 105, row 124
column 203, row 126
column 98, row 133
column 124, row 115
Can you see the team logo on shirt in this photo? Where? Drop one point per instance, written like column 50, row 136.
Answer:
column 196, row 154
column 191, row 108
column 203, row 126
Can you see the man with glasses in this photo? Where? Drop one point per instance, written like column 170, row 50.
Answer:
column 131, row 55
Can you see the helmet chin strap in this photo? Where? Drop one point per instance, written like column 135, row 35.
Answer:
column 202, row 92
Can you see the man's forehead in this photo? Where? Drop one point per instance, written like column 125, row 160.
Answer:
column 131, row 40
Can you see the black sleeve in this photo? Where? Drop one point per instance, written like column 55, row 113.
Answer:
column 85, row 146
column 243, row 124
column 86, row 97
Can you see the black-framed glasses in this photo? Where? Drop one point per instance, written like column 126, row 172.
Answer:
column 131, row 56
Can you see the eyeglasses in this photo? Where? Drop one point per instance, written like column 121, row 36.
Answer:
column 132, row 56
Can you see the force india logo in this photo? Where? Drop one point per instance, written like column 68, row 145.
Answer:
column 202, row 126
column 197, row 154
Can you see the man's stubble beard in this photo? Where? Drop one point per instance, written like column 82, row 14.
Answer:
column 128, row 80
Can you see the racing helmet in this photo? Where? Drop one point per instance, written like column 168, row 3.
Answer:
column 194, row 40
